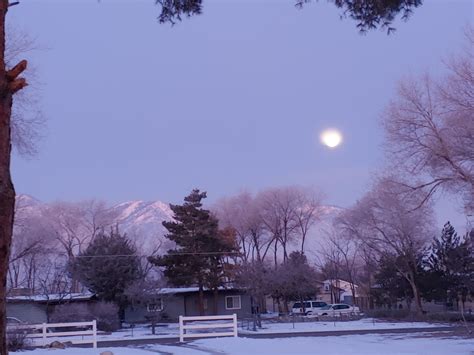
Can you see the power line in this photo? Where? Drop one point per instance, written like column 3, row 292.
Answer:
column 146, row 256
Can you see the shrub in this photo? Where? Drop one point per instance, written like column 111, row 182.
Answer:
column 395, row 314
column 450, row 317
column 105, row 313
column 406, row 315
column 16, row 339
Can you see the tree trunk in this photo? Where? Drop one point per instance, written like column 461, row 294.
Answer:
column 416, row 293
column 216, row 300
column 7, row 192
column 275, row 252
column 10, row 83
column 201, row 300
column 303, row 237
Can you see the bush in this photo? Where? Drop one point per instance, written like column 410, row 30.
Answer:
column 395, row 314
column 105, row 313
column 450, row 317
column 406, row 315
column 16, row 339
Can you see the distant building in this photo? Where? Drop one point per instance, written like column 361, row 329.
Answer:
column 338, row 291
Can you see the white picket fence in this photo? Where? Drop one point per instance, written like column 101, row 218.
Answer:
column 212, row 325
column 49, row 330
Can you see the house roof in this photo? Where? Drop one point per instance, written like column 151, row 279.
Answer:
column 52, row 297
column 175, row 290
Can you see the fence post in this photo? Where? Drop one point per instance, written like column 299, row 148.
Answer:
column 181, row 330
column 44, row 333
column 234, row 317
column 94, row 334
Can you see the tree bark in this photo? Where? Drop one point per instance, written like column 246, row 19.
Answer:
column 216, row 301
column 10, row 83
column 416, row 293
column 201, row 300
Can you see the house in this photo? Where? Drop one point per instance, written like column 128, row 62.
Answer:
column 338, row 291
column 170, row 303
column 38, row 308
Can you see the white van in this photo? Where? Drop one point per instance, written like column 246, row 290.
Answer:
column 310, row 307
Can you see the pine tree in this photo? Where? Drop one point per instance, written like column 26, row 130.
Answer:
column 392, row 285
column 451, row 265
column 108, row 266
column 201, row 248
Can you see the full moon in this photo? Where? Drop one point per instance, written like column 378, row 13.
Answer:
column 331, row 138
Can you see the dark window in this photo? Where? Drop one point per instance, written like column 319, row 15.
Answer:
column 155, row 306
column 232, row 302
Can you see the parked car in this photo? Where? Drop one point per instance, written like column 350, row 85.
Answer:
column 16, row 326
column 337, row 309
column 309, row 307
column 14, row 322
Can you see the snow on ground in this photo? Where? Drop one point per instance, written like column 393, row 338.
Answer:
column 373, row 344
column 171, row 330
column 323, row 326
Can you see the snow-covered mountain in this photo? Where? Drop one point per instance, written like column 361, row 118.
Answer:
column 142, row 221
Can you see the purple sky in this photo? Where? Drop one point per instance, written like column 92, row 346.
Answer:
column 229, row 100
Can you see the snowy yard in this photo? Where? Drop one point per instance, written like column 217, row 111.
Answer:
column 354, row 344
column 171, row 330
column 324, row 326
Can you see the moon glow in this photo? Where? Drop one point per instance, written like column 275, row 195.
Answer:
column 331, row 138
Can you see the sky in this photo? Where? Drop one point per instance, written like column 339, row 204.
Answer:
column 227, row 101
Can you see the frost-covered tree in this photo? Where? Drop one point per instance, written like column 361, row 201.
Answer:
column 429, row 127
column 388, row 221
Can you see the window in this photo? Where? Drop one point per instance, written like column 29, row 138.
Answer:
column 156, row 306
column 326, row 287
column 318, row 304
column 232, row 302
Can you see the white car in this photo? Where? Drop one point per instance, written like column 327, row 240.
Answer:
column 309, row 307
column 337, row 309
column 14, row 322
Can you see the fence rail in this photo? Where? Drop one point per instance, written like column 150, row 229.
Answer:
column 48, row 330
column 183, row 327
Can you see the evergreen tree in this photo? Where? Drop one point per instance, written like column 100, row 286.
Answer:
column 108, row 266
column 391, row 284
column 451, row 266
column 199, row 257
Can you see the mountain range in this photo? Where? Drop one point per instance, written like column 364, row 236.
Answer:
column 142, row 220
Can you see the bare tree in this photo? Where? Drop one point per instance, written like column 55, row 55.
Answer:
column 76, row 224
column 347, row 249
column 278, row 210
column 386, row 221
column 288, row 213
column 430, row 129
column 27, row 121
column 330, row 262
column 31, row 241
column 241, row 213
column 308, row 212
